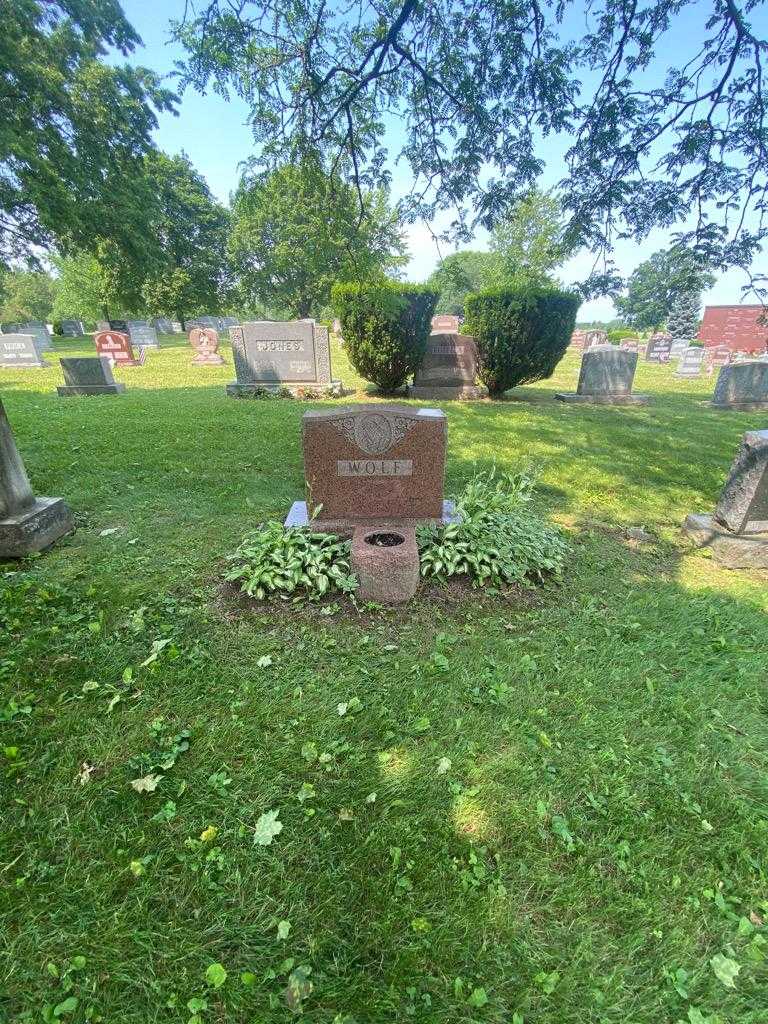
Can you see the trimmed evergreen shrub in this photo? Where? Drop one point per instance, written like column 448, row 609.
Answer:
column 385, row 326
column 521, row 333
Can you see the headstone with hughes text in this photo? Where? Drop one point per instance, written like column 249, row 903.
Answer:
column 690, row 363
column 89, row 375
column 737, row 533
column 20, row 351
column 742, row 386
column 27, row 523
column 606, row 378
column 372, row 463
column 448, row 370
column 270, row 355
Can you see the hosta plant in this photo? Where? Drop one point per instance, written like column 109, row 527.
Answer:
column 277, row 561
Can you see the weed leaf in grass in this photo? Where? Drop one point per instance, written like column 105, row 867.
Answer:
column 146, row 784
column 478, row 998
column 215, row 975
column 725, row 969
column 299, row 988
column 283, row 930
column 444, row 765
column 65, row 1008
column 267, row 827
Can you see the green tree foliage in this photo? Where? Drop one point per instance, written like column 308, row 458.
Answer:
column 521, row 333
column 82, row 291
column 385, row 326
column 475, row 88
column 74, row 131
column 296, row 230
column 458, row 275
column 191, row 228
column 683, row 320
column 26, row 295
column 657, row 282
column 530, row 242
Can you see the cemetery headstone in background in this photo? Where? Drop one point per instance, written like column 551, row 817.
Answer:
column 742, row 386
column 659, row 348
column 594, row 338
column 449, row 369
column 40, row 332
column 116, row 346
column 118, row 325
column 72, row 328
column 678, row 348
column 225, row 322
column 579, row 340
column 445, row 323
column 89, row 375
column 27, row 523
column 163, row 325
column 737, row 533
column 690, row 363
column 102, row 325
column 204, row 321
column 19, row 351
column 176, row 327
column 716, row 357
column 606, row 378
column 270, row 355
column 142, row 334
column 629, row 345
column 205, row 342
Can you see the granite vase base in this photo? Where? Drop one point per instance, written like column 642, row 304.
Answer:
column 335, row 389
column 385, row 560
column 68, row 391
column 35, row 528
column 603, row 399
column 298, row 516
column 739, row 406
column 447, row 392
column 731, row 550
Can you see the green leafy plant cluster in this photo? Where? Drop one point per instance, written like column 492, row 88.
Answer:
column 385, row 326
column 499, row 537
column 275, row 560
column 522, row 333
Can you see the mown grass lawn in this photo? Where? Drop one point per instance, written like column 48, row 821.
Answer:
column 548, row 810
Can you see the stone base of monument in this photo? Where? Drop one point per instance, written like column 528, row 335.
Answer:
column 386, row 563
column 68, row 391
column 603, row 399
column 739, row 406
column 448, row 393
column 35, row 528
column 731, row 550
column 298, row 516
column 208, row 359
column 335, row 389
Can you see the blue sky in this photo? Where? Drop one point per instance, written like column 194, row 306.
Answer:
column 216, row 136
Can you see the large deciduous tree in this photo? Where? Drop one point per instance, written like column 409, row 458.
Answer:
column 191, row 228
column 530, row 241
column 74, row 130
column 460, row 274
column 26, row 295
column 298, row 229
column 476, row 84
column 657, row 282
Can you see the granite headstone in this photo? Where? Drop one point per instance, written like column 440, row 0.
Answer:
column 27, row 523
column 270, row 355
column 606, row 378
column 89, row 375
column 72, row 328
column 163, row 325
column 445, row 323
column 19, row 351
column 690, row 363
column 449, row 369
column 737, row 533
column 142, row 334
column 742, row 386
column 205, row 342
column 40, row 332
column 659, row 348
column 116, row 346
column 373, row 463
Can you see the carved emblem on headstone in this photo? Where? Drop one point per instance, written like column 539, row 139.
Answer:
column 374, row 433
